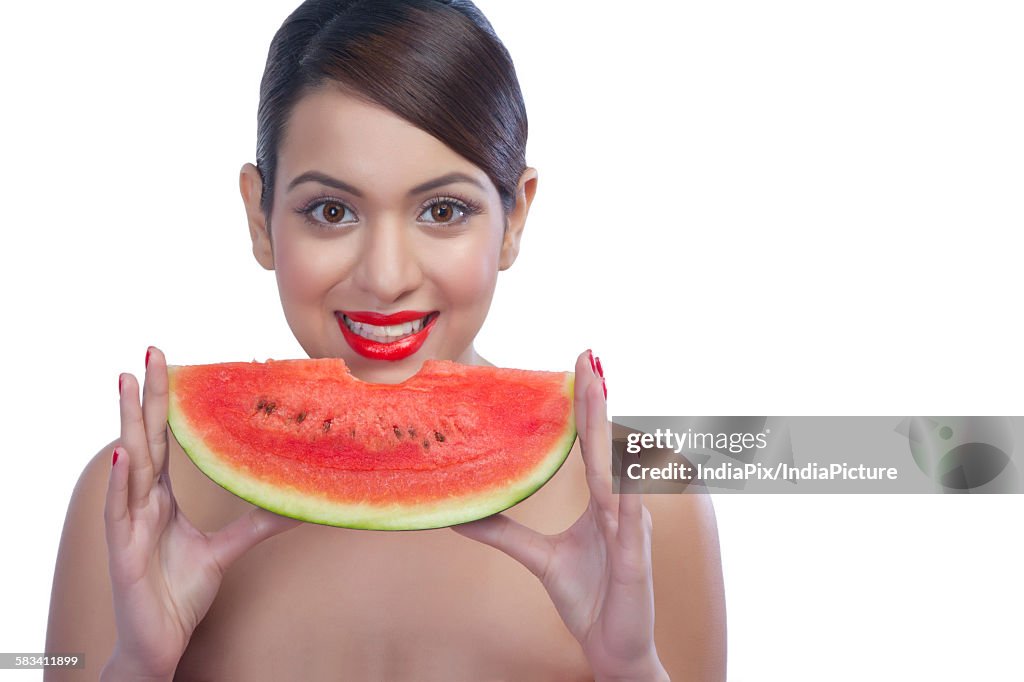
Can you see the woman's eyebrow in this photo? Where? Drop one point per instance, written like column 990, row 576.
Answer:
column 445, row 180
column 324, row 179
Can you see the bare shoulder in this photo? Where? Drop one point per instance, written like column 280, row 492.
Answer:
column 81, row 616
column 690, row 626
column 688, row 517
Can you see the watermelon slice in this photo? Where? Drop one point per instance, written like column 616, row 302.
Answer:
column 306, row 439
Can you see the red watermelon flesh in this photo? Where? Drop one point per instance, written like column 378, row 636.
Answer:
column 306, row 439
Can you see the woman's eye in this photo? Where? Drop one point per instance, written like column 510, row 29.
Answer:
column 331, row 212
column 443, row 211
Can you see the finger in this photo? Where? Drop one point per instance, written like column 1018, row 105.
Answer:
column 154, row 407
column 596, row 448
column 133, row 438
column 115, row 513
column 634, row 522
column 245, row 532
column 525, row 545
column 585, row 373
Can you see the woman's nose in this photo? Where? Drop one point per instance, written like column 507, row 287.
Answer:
column 387, row 268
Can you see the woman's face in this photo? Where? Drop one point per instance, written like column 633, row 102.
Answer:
column 386, row 243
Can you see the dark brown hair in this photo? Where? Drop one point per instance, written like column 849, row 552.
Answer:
column 437, row 64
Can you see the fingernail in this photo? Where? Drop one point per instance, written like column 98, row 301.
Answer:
column 600, row 372
column 590, row 354
column 113, row 460
column 120, row 382
column 148, row 351
column 605, row 387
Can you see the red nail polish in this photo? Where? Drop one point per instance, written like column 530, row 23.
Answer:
column 113, row 460
column 148, row 351
column 600, row 372
column 120, row 382
column 605, row 387
column 590, row 354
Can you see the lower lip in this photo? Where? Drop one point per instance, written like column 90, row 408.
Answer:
column 393, row 351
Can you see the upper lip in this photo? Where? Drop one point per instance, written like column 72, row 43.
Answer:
column 382, row 320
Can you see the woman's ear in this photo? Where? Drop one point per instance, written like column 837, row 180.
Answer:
column 525, row 190
column 250, row 183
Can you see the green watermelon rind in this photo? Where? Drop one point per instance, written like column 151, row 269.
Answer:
column 306, row 507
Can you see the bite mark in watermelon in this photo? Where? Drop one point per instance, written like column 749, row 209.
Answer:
column 306, row 439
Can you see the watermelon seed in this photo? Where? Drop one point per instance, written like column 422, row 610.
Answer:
column 269, row 408
column 426, row 444
column 352, row 433
column 398, row 433
column 260, row 405
column 327, row 425
column 301, row 417
column 412, row 432
column 439, row 436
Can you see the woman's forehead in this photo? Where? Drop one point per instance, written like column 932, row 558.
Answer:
column 332, row 132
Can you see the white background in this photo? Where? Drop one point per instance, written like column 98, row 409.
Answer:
column 744, row 208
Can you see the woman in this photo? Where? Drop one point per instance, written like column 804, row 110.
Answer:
column 390, row 177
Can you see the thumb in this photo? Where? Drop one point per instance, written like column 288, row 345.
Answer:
column 245, row 532
column 525, row 545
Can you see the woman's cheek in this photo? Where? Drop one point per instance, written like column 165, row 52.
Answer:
column 469, row 272
column 306, row 270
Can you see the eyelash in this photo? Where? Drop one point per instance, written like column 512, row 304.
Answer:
column 468, row 207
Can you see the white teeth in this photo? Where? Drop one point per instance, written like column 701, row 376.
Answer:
column 384, row 334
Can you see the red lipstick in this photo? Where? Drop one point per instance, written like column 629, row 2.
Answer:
column 394, row 350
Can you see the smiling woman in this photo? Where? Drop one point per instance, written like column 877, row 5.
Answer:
column 390, row 190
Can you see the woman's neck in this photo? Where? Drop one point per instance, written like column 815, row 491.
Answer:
column 471, row 357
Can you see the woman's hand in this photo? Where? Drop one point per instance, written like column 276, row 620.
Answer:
column 164, row 572
column 597, row 572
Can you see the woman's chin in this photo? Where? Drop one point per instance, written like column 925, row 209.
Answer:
column 379, row 372
column 382, row 371
column 385, row 372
